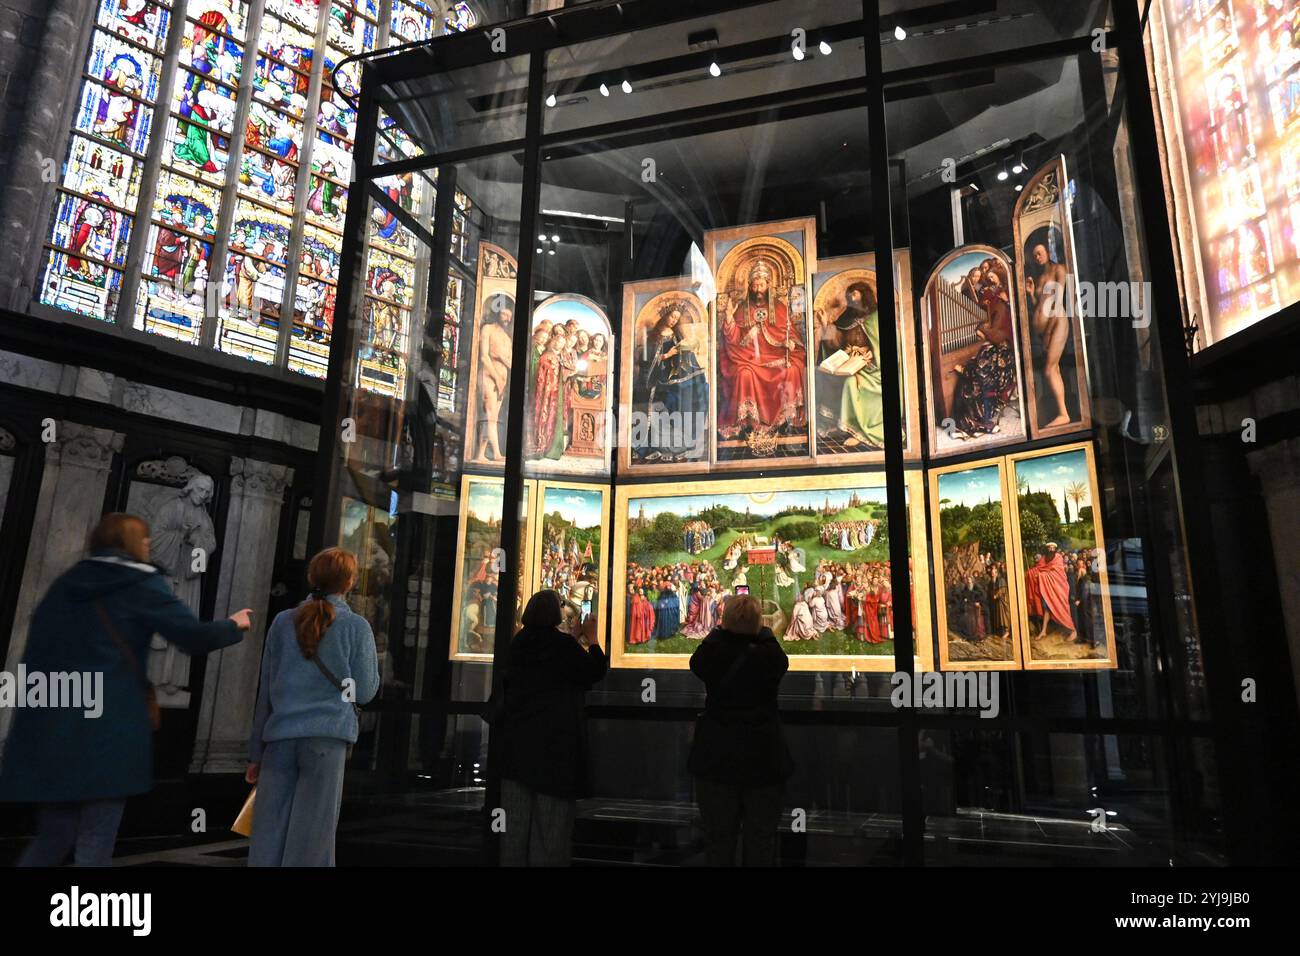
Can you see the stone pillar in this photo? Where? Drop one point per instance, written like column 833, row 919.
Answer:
column 247, row 564
column 42, row 137
column 1278, row 469
column 70, row 503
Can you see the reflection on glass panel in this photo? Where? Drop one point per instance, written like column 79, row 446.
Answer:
column 1229, row 75
column 659, row 71
column 920, row 32
column 994, row 797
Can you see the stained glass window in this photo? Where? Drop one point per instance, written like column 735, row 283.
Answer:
column 251, row 124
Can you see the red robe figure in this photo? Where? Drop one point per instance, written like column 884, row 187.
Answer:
column 1047, row 590
column 761, row 361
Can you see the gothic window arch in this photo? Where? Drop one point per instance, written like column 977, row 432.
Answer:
column 206, row 175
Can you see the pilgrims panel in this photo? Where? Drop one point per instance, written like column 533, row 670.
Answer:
column 974, row 602
column 490, row 356
column 815, row 553
column 568, row 397
column 1057, row 382
column 974, row 398
column 479, row 565
column 667, row 358
column 1059, row 551
column 572, row 522
column 761, row 403
column 849, row 401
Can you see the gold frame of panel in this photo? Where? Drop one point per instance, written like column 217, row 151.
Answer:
column 924, row 657
column 986, row 442
column 1015, row 662
column 1055, row 213
column 907, row 347
column 658, row 289
column 535, row 543
column 763, row 236
column 545, row 469
column 1110, row 662
column 485, row 286
column 458, row 588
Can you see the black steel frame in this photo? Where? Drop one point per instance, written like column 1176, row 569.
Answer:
column 534, row 37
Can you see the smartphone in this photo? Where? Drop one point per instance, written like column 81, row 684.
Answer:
column 586, row 609
column 742, row 588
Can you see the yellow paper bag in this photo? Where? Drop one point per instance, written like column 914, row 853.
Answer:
column 243, row 824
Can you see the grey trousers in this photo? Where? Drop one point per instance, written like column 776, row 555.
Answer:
column 299, row 792
column 539, row 828
column 88, row 830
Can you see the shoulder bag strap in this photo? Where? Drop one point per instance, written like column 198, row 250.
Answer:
column 329, row 675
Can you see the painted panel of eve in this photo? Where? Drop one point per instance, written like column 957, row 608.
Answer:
column 761, row 329
column 975, row 392
column 1056, row 380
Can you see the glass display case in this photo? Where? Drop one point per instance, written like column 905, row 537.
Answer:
column 849, row 309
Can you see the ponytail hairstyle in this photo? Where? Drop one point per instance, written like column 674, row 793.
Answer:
column 331, row 571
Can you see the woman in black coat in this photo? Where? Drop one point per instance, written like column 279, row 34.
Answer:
column 739, row 756
column 542, row 732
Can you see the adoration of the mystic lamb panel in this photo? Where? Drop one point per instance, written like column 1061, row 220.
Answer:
column 1059, row 553
column 666, row 386
column 1056, row 380
column 762, row 407
column 814, row 553
column 849, row 400
column 568, row 397
column 975, row 602
column 972, row 353
column 490, row 357
column 480, row 563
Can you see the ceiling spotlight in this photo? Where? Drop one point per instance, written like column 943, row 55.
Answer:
column 900, row 33
column 627, row 87
column 550, row 252
column 1002, row 174
column 539, row 248
column 714, row 69
column 1018, row 168
column 797, row 50
column 825, row 48
column 550, row 100
column 555, row 238
column 604, row 90
column 974, row 187
column 1019, row 186
column 542, row 237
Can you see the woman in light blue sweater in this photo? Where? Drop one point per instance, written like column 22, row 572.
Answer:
column 319, row 665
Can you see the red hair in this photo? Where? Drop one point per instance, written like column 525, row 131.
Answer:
column 332, row 571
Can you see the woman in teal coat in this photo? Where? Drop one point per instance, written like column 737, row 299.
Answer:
column 80, row 760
